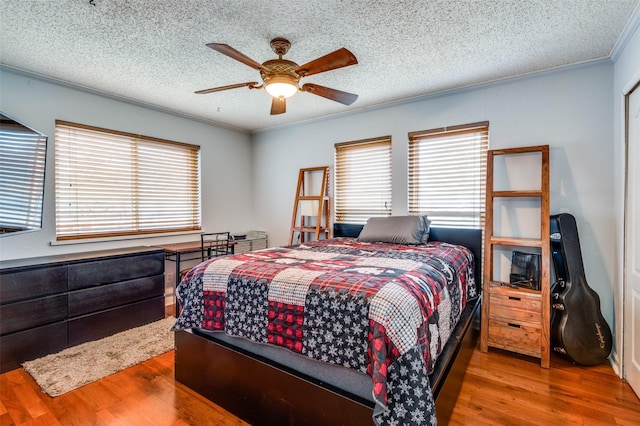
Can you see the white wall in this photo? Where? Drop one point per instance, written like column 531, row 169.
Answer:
column 626, row 76
column 569, row 109
column 225, row 158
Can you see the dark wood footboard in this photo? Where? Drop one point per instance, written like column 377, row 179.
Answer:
column 264, row 393
column 449, row 371
column 259, row 392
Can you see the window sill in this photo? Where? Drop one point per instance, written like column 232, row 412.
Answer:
column 122, row 238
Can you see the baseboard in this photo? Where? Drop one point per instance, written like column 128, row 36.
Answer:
column 615, row 363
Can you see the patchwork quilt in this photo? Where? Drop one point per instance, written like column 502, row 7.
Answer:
column 386, row 310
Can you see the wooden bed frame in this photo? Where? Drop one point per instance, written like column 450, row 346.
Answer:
column 264, row 392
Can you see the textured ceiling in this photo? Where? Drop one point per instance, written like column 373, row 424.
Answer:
column 153, row 51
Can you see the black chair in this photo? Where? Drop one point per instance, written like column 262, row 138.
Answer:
column 214, row 244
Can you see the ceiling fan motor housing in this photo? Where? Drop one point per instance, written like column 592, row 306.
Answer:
column 282, row 69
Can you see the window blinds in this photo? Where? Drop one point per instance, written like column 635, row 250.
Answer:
column 362, row 180
column 447, row 174
column 112, row 183
column 22, row 163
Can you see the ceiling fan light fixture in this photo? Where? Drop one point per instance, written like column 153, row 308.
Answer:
column 281, row 86
column 281, row 77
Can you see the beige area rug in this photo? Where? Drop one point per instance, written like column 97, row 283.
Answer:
column 77, row 366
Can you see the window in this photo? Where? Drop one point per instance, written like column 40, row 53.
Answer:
column 447, row 174
column 363, row 180
column 22, row 162
column 112, row 183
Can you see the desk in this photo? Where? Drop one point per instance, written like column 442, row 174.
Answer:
column 174, row 252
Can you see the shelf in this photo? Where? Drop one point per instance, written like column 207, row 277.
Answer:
column 520, row 193
column 520, row 150
column 313, row 197
column 516, row 241
column 308, row 229
column 506, row 287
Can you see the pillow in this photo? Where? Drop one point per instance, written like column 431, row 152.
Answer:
column 396, row 229
column 425, row 223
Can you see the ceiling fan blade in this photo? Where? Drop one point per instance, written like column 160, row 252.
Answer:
column 250, row 84
column 333, row 94
column 338, row 59
column 234, row 54
column 278, row 106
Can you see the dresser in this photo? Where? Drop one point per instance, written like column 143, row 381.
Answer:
column 50, row 303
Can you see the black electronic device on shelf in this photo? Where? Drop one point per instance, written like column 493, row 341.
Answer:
column 525, row 270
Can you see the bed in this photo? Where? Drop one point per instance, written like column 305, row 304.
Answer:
column 274, row 353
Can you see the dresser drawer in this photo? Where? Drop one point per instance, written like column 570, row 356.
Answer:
column 515, row 336
column 105, row 323
column 33, row 282
column 108, row 296
column 105, row 271
column 30, row 344
column 32, row 313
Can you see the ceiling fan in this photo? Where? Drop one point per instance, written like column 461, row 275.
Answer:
column 280, row 77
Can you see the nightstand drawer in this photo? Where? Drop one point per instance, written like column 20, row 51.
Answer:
column 512, row 304
column 516, row 299
column 510, row 335
column 508, row 313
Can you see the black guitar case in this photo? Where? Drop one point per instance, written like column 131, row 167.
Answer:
column 578, row 329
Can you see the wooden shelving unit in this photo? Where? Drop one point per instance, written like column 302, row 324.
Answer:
column 513, row 318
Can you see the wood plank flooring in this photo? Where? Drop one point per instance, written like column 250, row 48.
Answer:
column 500, row 388
column 145, row 394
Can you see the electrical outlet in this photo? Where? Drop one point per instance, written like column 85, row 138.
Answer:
column 170, row 278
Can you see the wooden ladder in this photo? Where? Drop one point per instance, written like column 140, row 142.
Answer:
column 309, row 204
column 513, row 318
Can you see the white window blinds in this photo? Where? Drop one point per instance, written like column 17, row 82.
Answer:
column 22, row 162
column 112, row 183
column 447, row 174
column 362, row 180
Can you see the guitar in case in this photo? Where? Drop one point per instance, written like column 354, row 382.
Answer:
column 578, row 329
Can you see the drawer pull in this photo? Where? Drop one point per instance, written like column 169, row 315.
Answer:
column 514, row 298
column 510, row 324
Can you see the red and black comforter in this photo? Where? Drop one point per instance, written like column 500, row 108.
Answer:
column 383, row 309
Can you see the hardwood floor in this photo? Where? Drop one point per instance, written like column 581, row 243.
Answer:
column 499, row 389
